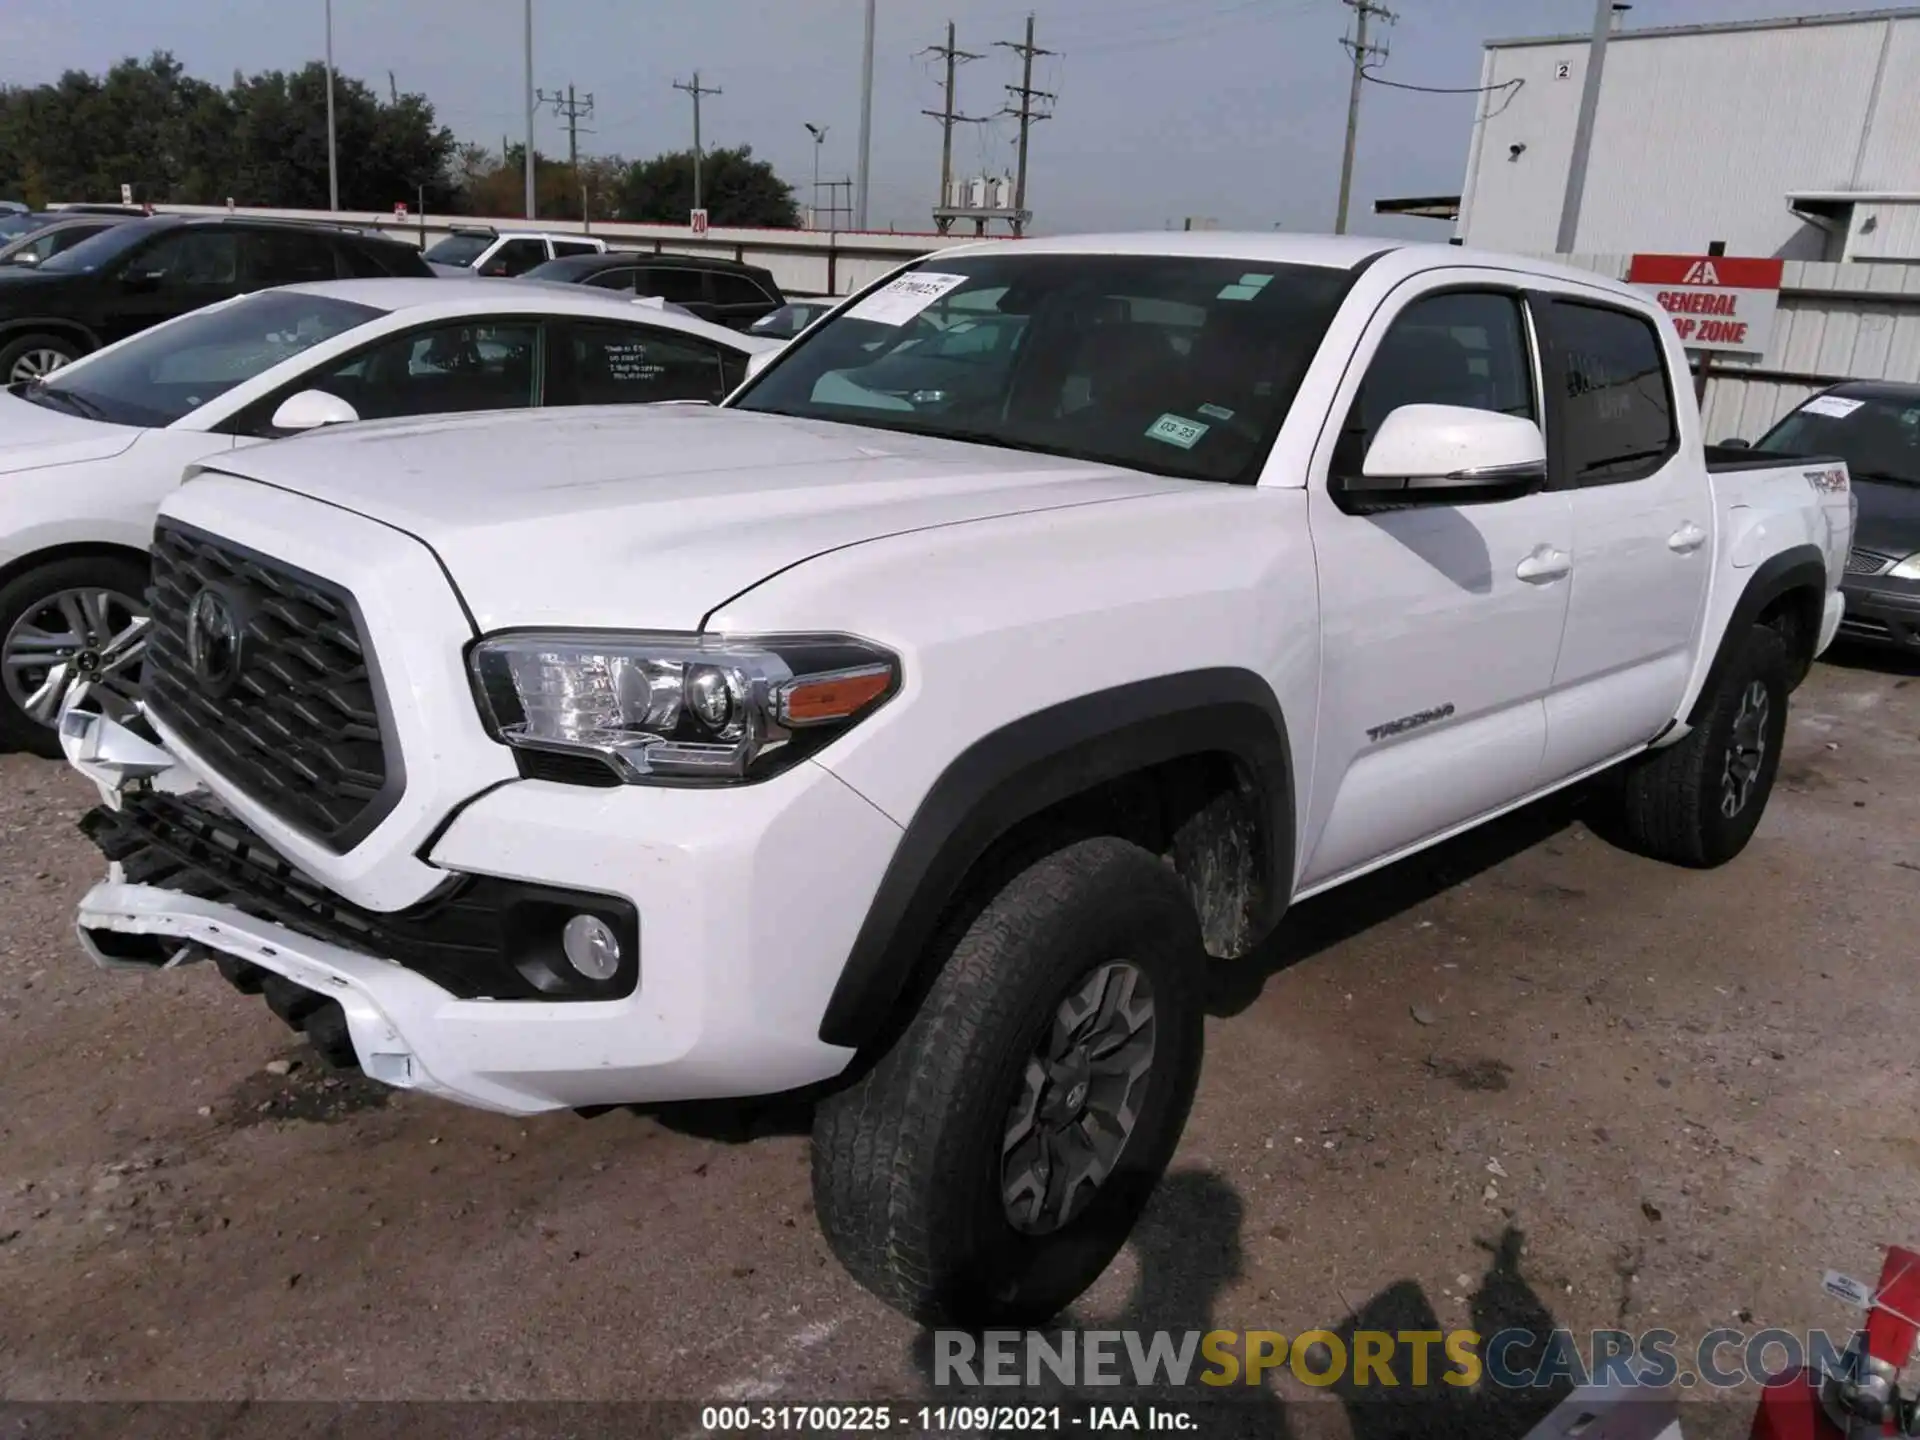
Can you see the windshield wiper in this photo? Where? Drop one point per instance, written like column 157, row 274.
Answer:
column 41, row 393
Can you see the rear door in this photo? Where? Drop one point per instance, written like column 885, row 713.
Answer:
column 1621, row 448
column 1440, row 623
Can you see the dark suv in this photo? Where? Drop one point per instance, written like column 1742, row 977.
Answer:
column 141, row 272
column 723, row 291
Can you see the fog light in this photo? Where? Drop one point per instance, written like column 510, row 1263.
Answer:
column 591, row 947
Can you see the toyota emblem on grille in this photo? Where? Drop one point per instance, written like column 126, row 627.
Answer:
column 213, row 641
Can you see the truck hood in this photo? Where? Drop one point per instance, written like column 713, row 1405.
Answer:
column 33, row 437
column 652, row 516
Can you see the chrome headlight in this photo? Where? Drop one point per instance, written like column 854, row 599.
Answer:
column 1907, row 569
column 679, row 708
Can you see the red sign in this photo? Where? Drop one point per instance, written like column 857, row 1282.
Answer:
column 700, row 222
column 1718, row 302
column 399, row 209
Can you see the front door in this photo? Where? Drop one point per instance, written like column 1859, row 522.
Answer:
column 1440, row 624
column 181, row 270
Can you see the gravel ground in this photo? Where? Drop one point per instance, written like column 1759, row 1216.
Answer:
column 1524, row 1076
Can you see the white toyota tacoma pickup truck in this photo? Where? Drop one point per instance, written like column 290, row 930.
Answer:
column 912, row 727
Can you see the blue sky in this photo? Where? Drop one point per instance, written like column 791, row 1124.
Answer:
column 1229, row 109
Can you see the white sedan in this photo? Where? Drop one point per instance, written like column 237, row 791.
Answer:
column 87, row 454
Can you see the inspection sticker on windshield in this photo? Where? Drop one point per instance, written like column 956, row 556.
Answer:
column 899, row 300
column 1218, row 412
column 1836, row 407
column 1175, row 431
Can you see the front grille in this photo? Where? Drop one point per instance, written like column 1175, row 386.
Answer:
column 295, row 721
column 1868, row 562
column 477, row 937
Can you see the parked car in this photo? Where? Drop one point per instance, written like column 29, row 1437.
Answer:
column 15, row 223
column 918, row 750
column 1874, row 425
column 723, row 291
column 33, row 247
column 484, row 251
column 87, row 454
column 792, row 317
column 141, row 272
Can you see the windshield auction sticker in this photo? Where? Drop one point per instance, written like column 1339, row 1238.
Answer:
column 900, row 299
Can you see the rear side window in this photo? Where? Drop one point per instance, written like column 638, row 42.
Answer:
column 737, row 290
column 574, row 247
column 1614, row 400
column 611, row 364
column 683, row 287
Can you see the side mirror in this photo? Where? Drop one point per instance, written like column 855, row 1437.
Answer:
column 1736, row 444
column 759, row 361
column 26, row 257
column 1449, row 455
column 311, row 409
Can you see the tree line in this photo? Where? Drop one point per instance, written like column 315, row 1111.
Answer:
column 262, row 141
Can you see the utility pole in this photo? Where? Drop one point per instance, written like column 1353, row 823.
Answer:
column 573, row 112
column 866, row 125
column 533, row 205
column 1362, row 51
column 1027, row 115
column 1583, row 129
column 696, row 90
column 333, row 157
column 947, row 117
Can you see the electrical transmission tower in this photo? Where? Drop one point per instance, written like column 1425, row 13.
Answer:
column 573, row 112
column 1364, row 52
column 948, row 118
column 696, row 90
column 1026, row 114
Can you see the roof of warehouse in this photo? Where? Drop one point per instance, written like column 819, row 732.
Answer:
column 1723, row 27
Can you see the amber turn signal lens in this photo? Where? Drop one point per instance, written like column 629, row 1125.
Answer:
column 834, row 697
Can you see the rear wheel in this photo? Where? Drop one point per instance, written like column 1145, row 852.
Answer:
column 993, row 1162
column 66, row 622
column 1698, row 802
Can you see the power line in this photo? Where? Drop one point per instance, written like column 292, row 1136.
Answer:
column 1363, row 51
column 1373, row 79
column 949, row 117
column 1026, row 114
column 696, row 90
column 573, row 112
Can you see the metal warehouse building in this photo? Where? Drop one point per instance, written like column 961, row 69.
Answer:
column 1792, row 138
column 1795, row 139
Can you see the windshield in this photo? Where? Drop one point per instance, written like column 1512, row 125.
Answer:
column 1177, row 365
column 459, row 249
column 155, row 378
column 102, row 249
column 1878, row 436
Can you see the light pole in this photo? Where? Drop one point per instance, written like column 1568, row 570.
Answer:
column 819, row 133
column 333, row 154
column 531, row 205
column 866, row 124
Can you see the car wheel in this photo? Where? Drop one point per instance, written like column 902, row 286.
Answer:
column 67, row 621
column 1698, row 802
column 990, row 1165
column 34, row 357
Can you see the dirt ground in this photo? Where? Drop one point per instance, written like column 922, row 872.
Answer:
column 1526, row 1075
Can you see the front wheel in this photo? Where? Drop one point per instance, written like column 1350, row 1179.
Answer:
column 992, row 1163
column 79, row 620
column 34, row 357
column 1698, row 801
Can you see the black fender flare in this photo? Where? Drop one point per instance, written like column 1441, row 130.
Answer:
column 1801, row 567
column 1029, row 766
column 48, row 324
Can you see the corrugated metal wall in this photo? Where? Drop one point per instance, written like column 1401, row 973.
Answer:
column 1699, row 137
column 1836, row 322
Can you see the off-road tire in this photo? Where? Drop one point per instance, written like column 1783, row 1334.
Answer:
column 1670, row 802
column 31, row 588
column 907, row 1161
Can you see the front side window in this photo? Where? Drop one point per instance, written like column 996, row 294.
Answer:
column 1176, row 365
column 446, row 369
column 1615, row 413
column 189, row 259
column 157, row 377
column 1461, row 347
column 608, row 364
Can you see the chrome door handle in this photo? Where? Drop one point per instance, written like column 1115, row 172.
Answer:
column 1687, row 539
column 1543, row 565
